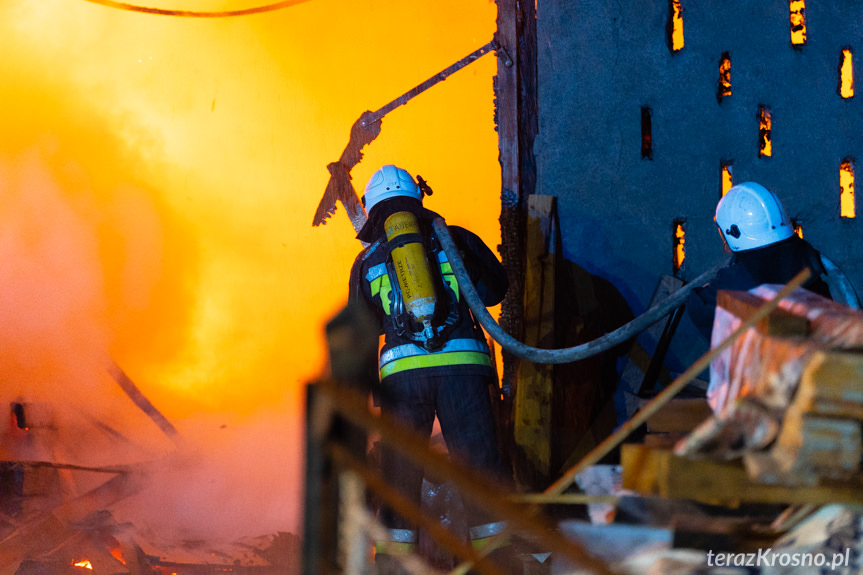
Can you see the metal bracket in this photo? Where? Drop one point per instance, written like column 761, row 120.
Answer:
column 503, row 55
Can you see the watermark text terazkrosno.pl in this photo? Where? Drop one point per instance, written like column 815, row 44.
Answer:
column 770, row 558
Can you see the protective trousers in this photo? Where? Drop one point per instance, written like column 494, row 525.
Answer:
column 462, row 404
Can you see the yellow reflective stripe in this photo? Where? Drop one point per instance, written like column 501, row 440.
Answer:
column 502, row 539
column 376, row 286
column 386, row 293
column 449, row 278
column 483, row 541
column 395, row 548
column 381, row 286
column 436, row 360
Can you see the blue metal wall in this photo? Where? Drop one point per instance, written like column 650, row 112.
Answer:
column 600, row 62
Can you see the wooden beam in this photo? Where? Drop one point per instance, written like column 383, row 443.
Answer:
column 659, row 472
column 778, row 322
column 140, row 400
column 679, row 415
column 516, row 123
column 45, row 531
column 532, row 418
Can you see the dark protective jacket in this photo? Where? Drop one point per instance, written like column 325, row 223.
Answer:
column 774, row 264
column 465, row 346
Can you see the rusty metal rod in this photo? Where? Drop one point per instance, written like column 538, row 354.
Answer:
column 363, row 132
column 422, row 87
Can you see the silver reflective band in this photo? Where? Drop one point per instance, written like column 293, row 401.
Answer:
column 487, row 530
column 402, row 535
column 411, row 350
column 376, row 272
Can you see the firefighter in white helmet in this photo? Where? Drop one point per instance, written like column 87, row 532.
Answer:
column 435, row 360
column 756, row 229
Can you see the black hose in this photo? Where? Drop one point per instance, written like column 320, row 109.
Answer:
column 570, row 354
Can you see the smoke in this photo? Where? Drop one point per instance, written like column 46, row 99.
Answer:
column 53, row 294
column 245, row 481
column 74, row 266
column 157, row 182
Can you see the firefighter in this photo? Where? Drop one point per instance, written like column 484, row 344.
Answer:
column 435, row 360
column 757, row 231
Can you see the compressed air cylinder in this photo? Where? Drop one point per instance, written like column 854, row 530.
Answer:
column 412, row 267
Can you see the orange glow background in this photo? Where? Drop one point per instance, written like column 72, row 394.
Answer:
column 158, row 178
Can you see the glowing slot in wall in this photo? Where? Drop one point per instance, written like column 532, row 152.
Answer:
column 679, row 244
column 798, row 228
column 675, row 25
column 847, row 207
column 846, row 74
column 727, row 178
column 724, row 88
column 646, row 134
column 798, row 22
column 765, row 126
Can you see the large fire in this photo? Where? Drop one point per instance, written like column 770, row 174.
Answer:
column 158, row 177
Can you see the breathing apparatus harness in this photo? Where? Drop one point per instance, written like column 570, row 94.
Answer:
column 424, row 302
column 416, row 285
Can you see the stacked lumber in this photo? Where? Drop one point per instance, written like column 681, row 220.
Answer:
column 789, row 427
column 820, row 434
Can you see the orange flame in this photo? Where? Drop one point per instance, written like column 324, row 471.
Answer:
column 84, row 564
column 209, row 273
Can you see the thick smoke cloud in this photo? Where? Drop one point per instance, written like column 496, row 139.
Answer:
column 158, row 178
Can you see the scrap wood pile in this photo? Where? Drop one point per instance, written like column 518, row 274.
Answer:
column 769, row 463
column 98, row 544
column 59, row 499
column 788, row 394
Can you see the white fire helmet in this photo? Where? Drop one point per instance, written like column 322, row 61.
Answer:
column 750, row 216
column 389, row 182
